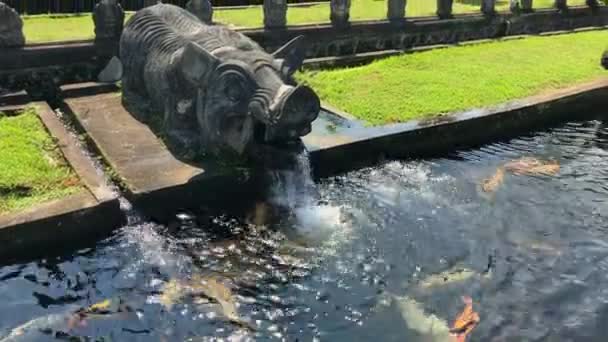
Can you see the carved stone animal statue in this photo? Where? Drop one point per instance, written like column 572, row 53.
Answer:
column 11, row 27
column 605, row 59
column 211, row 88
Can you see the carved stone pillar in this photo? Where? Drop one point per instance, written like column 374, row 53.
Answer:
column 561, row 5
column 396, row 9
column 593, row 3
column 488, row 7
column 444, row 8
column 275, row 13
column 340, row 12
column 11, row 27
column 527, row 6
column 108, row 18
column 202, row 9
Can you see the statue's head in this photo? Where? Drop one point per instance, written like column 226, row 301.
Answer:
column 244, row 98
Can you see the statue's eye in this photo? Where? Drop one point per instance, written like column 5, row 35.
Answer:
column 234, row 93
column 234, row 88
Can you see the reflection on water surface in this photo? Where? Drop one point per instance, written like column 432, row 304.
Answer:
column 379, row 254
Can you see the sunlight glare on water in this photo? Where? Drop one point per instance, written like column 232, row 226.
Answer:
column 382, row 254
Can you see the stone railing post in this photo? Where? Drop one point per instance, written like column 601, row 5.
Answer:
column 593, row 4
column 488, row 7
column 444, row 8
column 396, row 9
column 525, row 6
column 202, row 9
column 561, row 5
column 340, row 12
column 11, row 27
column 275, row 13
column 108, row 17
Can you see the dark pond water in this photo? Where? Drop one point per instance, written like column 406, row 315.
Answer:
column 380, row 254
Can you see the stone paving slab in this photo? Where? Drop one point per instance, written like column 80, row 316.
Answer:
column 155, row 181
column 130, row 147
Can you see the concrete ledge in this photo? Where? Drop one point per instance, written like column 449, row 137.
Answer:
column 89, row 214
column 335, row 154
column 87, row 89
column 155, row 181
column 14, row 99
column 56, row 226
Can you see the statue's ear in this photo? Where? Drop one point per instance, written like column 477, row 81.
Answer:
column 289, row 58
column 196, row 63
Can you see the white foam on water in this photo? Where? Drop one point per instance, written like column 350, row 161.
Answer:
column 400, row 183
column 318, row 222
column 315, row 222
column 153, row 249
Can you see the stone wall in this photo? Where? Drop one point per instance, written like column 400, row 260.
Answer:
column 326, row 40
column 61, row 63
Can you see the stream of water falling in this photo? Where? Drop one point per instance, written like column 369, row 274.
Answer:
column 296, row 190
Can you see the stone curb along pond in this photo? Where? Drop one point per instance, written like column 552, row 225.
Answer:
column 351, row 145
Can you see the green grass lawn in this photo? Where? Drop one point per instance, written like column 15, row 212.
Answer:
column 33, row 170
column 45, row 29
column 423, row 84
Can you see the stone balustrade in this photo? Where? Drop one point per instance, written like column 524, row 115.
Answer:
column 108, row 15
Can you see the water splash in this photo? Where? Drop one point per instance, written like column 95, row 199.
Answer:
column 296, row 191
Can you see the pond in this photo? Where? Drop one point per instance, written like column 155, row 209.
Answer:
column 384, row 254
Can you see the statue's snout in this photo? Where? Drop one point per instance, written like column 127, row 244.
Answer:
column 288, row 115
column 295, row 113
